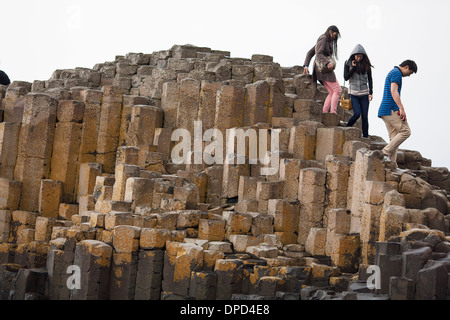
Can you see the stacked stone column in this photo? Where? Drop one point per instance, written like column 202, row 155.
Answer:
column 66, row 146
column 311, row 194
column 93, row 258
column 35, row 147
column 109, row 129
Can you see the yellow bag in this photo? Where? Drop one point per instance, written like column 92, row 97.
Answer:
column 346, row 104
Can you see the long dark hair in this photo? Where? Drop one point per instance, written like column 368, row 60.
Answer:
column 335, row 46
column 363, row 66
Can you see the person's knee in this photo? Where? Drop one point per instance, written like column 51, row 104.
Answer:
column 406, row 132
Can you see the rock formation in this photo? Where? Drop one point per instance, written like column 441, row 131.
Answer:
column 89, row 188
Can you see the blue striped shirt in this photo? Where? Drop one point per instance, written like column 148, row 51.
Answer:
column 388, row 104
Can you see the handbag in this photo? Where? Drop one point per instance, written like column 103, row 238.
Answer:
column 346, row 104
column 323, row 67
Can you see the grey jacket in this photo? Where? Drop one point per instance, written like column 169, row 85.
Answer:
column 323, row 50
column 359, row 84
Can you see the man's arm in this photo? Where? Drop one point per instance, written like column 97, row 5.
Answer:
column 397, row 100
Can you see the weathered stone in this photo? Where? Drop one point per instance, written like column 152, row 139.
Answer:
column 10, row 192
column 155, row 238
column 180, row 260
column 302, row 142
column 229, row 108
column 66, row 147
column 367, row 167
column 91, row 121
column 33, row 159
column 237, row 223
column 93, row 257
column 414, row 260
column 257, row 102
column 329, row 141
column 29, row 280
column 229, row 277
column 286, row 215
column 203, row 285
column 9, row 142
column 70, row 111
column 149, row 275
column 212, row 230
column 126, row 238
column 401, row 288
column 207, row 104
column 391, row 221
column 169, row 103
column 345, row 251
column 139, row 191
column 306, row 109
column 432, row 281
column 316, row 241
column 87, row 178
column 123, row 172
column 50, row 196
column 144, row 121
column 109, row 127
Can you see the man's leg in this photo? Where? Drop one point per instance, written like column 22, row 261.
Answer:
column 399, row 131
column 392, row 132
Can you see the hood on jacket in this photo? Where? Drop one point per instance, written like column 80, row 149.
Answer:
column 358, row 49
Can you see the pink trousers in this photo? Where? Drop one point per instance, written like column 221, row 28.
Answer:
column 334, row 93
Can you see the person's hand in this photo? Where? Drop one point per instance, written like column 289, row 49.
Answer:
column 305, row 70
column 370, row 97
column 402, row 115
column 330, row 66
column 354, row 63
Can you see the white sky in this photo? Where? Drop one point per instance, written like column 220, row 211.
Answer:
column 39, row 37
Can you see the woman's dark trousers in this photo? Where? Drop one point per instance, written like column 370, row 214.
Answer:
column 360, row 106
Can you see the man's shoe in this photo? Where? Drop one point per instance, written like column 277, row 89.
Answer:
column 386, row 158
column 402, row 171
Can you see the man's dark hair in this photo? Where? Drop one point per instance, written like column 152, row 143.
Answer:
column 411, row 64
column 4, row 79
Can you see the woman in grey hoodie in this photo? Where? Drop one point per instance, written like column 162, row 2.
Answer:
column 357, row 70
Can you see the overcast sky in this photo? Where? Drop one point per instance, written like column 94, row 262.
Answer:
column 39, row 37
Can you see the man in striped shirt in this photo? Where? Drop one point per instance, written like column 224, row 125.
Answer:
column 392, row 111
